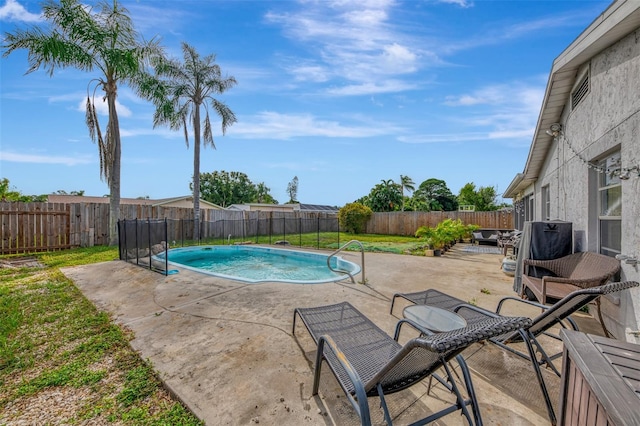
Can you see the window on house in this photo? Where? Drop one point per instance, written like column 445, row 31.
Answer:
column 546, row 203
column 528, row 208
column 610, row 208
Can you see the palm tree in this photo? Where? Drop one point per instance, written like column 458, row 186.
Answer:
column 106, row 41
column 186, row 87
column 406, row 183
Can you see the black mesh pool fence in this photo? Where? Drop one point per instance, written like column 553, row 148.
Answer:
column 141, row 240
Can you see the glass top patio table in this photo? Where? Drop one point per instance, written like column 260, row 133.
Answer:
column 434, row 319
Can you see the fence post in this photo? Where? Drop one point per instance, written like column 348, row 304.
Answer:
column 137, row 243
column 166, row 248
column 123, row 234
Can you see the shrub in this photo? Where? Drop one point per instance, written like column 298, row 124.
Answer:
column 353, row 217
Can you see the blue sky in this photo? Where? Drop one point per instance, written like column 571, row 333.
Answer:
column 342, row 94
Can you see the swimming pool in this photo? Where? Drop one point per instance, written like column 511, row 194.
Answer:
column 260, row 264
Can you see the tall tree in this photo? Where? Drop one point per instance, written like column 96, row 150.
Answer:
column 188, row 86
column 484, row 198
column 292, row 190
column 8, row 194
column 487, row 196
column 384, row 197
column 226, row 188
column 263, row 195
column 434, row 194
column 468, row 195
column 406, row 183
column 78, row 37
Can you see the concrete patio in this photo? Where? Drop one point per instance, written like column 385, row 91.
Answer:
column 225, row 348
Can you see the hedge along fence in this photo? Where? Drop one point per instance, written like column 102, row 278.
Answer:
column 406, row 223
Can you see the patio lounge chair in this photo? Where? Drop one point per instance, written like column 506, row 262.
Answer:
column 556, row 314
column 368, row 362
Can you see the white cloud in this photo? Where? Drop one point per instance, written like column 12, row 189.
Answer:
column 163, row 132
column 462, row 3
column 353, row 41
column 45, row 159
column 491, row 95
column 274, row 125
column 389, row 86
column 505, row 112
column 149, row 18
column 14, row 11
column 314, row 73
column 103, row 109
column 444, row 137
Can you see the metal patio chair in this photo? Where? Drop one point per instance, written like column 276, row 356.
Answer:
column 368, row 362
column 551, row 315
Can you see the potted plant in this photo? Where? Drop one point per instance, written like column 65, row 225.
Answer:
column 445, row 233
column 430, row 250
column 439, row 238
column 432, row 240
column 469, row 230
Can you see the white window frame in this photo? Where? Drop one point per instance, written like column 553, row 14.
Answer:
column 609, row 214
column 529, row 208
column 546, row 203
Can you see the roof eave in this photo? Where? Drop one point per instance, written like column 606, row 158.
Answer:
column 618, row 20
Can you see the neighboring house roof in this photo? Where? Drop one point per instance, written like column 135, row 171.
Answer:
column 264, row 207
column 166, row 202
column 318, row 208
column 618, row 20
column 188, row 198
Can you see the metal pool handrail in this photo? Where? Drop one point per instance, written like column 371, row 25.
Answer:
column 347, row 272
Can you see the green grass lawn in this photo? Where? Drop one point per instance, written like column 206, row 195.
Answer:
column 334, row 240
column 53, row 339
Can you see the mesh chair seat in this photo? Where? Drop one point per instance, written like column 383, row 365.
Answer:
column 368, row 362
column 551, row 316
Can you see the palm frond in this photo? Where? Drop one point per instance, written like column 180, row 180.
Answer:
column 207, row 135
column 90, row 119
column 186, row 132
column 190, row 84
column 224, row 112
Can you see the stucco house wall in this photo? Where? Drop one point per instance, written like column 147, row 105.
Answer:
column 605, row 121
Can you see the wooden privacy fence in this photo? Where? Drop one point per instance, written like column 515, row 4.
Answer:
column 54, row 226
column 406, row 223
column 29, row 228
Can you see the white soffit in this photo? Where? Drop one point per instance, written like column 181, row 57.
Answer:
column 618, row 20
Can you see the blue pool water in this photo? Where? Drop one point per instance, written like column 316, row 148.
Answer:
column 258, row 264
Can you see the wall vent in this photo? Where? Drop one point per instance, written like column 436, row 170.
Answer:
column 581, row 91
